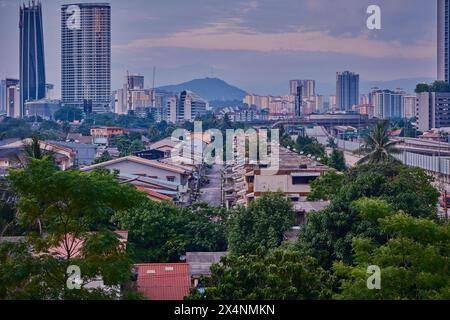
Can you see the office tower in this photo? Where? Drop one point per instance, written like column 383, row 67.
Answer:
column 298, row 99
column 190, row 106
column 443, row 41
column 347, row 90
column 387, row 104
column 308, row 87
column 31, row 55
column 433, row 110
column 86, row 56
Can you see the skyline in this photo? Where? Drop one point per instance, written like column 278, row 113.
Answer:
column 213, row 39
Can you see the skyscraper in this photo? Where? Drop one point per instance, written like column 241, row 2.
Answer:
column 387, row 104
column 32, row 61
column 443, row 41
column 347, row 90
column 308, row 87
column 86, row 56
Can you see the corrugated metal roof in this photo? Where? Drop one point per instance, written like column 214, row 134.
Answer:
column 164, row 281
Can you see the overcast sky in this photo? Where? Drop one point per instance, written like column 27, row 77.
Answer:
column 257, row 45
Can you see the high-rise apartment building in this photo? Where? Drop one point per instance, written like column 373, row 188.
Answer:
column 190, row 106
column 433, row 110
column 31, row 55
column 387, row 104
column 443, row 40
column 308, row 87
column 409, row 106
column 347, row 90
column 86, row 56
column 10, row 93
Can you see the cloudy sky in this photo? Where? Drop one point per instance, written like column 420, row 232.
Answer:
column 257, row 45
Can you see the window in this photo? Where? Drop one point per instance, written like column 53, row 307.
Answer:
column 171, row 179
column 302, row 180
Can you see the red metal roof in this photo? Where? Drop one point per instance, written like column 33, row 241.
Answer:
column 153, row 194
column 164, row 281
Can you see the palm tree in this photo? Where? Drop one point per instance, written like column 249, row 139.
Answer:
column 377, row 146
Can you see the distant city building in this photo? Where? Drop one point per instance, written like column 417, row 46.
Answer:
column 86, row 57
column 331, row 103
column 347, row 90
column 313, row 104
column 366, row 109
column 190, row 106
column 44, row 108
column 10, row 97
column 409, row 106
column 364, row 99
column 31, row 56
column 387, row 104
column 433, row 110
column 443, row 40
column 308, row 87
column 262, row 102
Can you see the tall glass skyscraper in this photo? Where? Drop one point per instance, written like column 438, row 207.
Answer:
column 86, row 56
column 32, row 61
column 443, row 41
column 347, row 90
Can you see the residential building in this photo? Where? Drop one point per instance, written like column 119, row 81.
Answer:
column 443, row 40
column 163, row 281
column 106, row 132
column 86, row 57
column 347, row 90
column 332, row 103
column 366, row 109
column 261, row 102
column 246, row 182
column 190, row 106
column 31, row 55
column 11, row 93
column 433, row 110
column 308, row 87
column 387, row 104
column 200, row 264
column 410, row 102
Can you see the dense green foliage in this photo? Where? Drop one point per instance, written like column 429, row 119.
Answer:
column 161, row 232
column 55, row 208
column 326, row 186
column 261, row 224
column 437, row 86
column 280, row 274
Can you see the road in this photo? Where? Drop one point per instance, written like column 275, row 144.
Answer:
column 211, row 192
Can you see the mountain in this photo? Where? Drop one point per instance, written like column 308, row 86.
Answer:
column 210, row 89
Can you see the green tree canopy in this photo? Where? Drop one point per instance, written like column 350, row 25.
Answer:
column 280, row 274
column 261, row 224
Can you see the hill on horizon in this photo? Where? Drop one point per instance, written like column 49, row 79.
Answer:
column 210, row 89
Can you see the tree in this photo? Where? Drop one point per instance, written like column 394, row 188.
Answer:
column 310, row 146
column 414, row 262
column 71, row 206
column 336, row 160
column 377, row 146
column 104, row 157
column 329, row 233
column 281, row 274
column 326, row 186
column 161, row 232
column 261, row 224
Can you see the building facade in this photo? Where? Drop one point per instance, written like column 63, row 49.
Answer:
column 308, row 87
column 433, row 110
column 347, row 90
column 387, row 104
column 443, row 41
column 31, row 55
column 86, row 56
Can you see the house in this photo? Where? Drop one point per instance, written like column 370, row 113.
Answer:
column 246, row 182
column 163, row 281
column 200, row 264
column 164, row 178
column 106, row 132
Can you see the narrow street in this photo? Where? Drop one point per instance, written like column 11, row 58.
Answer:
column 211, row 193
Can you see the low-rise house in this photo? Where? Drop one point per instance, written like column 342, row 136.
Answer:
column 163, row 281
column 162, row 176
column 106, row 132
